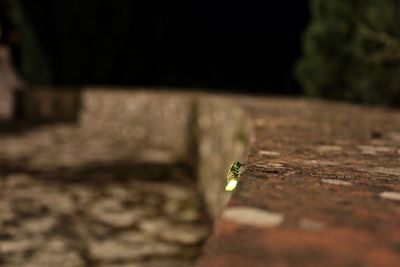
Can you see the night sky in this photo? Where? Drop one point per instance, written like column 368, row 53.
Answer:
column 235, row 45
column 256, row 42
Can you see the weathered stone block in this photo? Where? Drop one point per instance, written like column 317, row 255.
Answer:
column 154, row 125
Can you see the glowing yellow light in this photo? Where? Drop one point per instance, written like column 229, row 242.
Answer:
column 231, row 185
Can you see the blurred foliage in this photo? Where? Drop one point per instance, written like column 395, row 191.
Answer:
column 352, row 51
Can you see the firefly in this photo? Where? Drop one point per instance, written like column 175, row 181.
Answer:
column 232, row 177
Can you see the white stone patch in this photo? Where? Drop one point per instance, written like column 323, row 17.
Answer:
column 326, row 148
column 372, row 150
column 253, row 216
column 184, row 234
column 311, row 225
column 336, row 182
column 269, row 153
column 164, row 230
column 390, row 195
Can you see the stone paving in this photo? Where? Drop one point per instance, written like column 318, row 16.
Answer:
column 57, row 211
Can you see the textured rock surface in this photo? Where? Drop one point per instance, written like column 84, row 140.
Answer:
column 332, row 171
column 62, row 223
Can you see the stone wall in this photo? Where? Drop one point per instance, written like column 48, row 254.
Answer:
column 204, row 132
column 223, row 132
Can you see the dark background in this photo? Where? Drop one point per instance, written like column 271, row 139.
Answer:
column 221, row 45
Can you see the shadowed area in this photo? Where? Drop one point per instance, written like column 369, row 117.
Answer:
column 54, row 213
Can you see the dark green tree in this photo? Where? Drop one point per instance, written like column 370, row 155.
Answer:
column 352, row 51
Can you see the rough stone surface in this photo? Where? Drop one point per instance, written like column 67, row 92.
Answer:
column 335, row 181
column 252, row 217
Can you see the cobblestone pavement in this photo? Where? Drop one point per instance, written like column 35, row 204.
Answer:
column 54, row 212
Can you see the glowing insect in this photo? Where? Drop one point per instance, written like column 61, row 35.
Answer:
column 232, row 178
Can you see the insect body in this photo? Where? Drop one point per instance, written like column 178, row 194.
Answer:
column 232, row 178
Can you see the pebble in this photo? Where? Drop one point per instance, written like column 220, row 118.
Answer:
column 111, row 212
column 269, row 153
column 335, row 182
column 112, row 250
column 390, row 195
column 184, row 234
column 180, row 233
column 40, row 225
column 253, row 216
